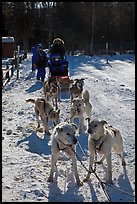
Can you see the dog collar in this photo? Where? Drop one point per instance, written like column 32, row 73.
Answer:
column 63, row 144
column 59, row 147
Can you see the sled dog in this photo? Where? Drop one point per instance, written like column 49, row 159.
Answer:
column 45, row 110
column 63, row 139
column 51, row 88
column 79, row 107
column 104, row 138
column 76, row 88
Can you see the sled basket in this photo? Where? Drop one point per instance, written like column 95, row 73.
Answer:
column 64, row 81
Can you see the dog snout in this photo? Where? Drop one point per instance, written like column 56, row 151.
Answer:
column 90, row 131
column 78, row 110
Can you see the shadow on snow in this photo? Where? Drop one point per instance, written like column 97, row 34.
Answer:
column 77, row 63
column 67, row 195
column 36, row 144
column 37, row 86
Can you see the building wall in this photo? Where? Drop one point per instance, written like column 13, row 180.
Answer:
column 8, row 49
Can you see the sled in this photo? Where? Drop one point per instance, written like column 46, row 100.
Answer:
column 58, row 68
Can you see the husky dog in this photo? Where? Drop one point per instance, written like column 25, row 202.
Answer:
column 76, row 88
column 51, row 88
column 104, row 138
column 79, row 107
column 64, row 139
column 45, row 110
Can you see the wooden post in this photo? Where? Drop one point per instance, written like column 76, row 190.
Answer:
column 7, row 72
column 2, row 78
column 93, row 28
column 12, row 69
column 107, row 52
column 18, row 51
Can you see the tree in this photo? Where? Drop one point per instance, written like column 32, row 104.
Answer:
column 82, row 25
column 93, row 23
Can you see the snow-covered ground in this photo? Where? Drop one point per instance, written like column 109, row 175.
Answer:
column 26, row 155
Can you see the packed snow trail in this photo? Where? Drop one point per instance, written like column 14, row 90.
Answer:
column 26, row 154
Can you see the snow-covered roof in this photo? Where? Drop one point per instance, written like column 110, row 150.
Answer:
column 7, row 39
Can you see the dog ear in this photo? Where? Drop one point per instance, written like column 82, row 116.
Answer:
column 88, row 119
column 58, row 111
column 76, row 79
column 83, row 100
column 104, row 122
column 59, row 129
column 82, row 79
column 74, row 125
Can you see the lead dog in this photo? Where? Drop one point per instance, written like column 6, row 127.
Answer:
column 63, row 139
column 76, row 88
column 79, row 107
column 45, row 110
column 104, row 138
column 50, row 89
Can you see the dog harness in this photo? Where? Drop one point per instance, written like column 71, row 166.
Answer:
column 114, row 131
column 98, row 148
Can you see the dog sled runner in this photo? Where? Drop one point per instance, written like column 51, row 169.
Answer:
column 58, row 68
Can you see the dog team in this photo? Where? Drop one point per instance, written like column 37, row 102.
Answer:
column 102, row 137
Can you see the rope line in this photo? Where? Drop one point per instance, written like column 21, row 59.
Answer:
column 108, row 197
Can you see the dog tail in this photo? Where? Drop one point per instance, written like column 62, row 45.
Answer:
column 30, row 100
column 86, row 96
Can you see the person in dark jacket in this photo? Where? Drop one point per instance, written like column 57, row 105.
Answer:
column 33, row 50
column 58, row 47
column 58, row 67
column 40, row 62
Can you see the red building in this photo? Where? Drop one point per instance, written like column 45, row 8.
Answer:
column 8, row 47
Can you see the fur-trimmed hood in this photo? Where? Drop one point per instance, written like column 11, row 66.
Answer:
column 58, row 40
